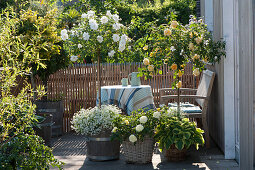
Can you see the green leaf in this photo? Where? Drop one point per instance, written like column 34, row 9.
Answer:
column 179, row 145
column 160, row 71
column 187, row 135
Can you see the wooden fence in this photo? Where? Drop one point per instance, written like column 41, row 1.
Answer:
column 78, row 84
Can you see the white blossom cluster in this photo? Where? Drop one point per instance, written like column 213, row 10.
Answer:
column 92, row 121
column 91, row 28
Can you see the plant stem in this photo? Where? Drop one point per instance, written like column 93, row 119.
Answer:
column 178, row 98
column 99, row 78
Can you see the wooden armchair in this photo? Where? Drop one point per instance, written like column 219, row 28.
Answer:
column 200, row 95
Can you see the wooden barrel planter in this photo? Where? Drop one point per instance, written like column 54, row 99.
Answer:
column 101, row 148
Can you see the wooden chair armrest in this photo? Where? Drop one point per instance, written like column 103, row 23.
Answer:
column 181, row 89
column 183, row 96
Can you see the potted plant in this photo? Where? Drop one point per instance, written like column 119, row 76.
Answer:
column 136, row 133
column 96, row 124
column 175, row 134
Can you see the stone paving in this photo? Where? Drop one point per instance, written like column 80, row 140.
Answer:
column 71, row 149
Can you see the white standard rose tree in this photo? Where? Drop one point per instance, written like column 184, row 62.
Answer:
column 176, row 45
column 101, row 37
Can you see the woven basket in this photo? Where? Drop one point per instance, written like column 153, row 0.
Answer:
column 140, row 153
column 173, row 154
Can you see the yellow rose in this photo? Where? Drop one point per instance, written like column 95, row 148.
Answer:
column 145, row 47
column 198, row 40
column 182, row 65
column 191, row 46
column 191, row 35
column 180, row 73
column 146, row 61
column 167, row 32
column 174, row 24
column 174, row 67
column 179, row 84
column 196, row 57
column 151, row 74
column 151, row 68
column 195, row 33
column 165, row 61
column 126, row 122
column 158, row 109
column 196, row 72
column 151, row 54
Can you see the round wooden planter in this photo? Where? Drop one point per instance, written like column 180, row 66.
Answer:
column 173, row 154
column 101, row 148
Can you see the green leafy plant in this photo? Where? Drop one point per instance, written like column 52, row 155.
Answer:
column 178, row 131
column 19, row 147
column 136, row 126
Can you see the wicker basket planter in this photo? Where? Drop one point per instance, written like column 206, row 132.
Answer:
column 173, row 154
column 140, row 153
column 101, row 148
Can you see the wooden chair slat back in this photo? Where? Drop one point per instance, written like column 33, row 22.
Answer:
column 205, row 86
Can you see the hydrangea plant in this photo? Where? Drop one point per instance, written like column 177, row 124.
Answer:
column 136, row 126
column 93, row 120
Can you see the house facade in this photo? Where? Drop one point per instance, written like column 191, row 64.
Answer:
column 231, row 110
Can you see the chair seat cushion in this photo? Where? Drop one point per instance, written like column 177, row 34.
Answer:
column 186, row 107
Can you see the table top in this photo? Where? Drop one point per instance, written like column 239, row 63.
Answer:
column 124, row 87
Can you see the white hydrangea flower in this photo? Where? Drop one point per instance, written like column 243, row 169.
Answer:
column 132, row 138
column 124, row 37
column 139, row 128
column 115, row 37
column 172, row 48
column 116, row 26
column 86, row 36
column 156, row 115
column 108, row 13
column 143, row 119
column 111, row 53
column 93, row 24
column 74, row 58
column 91, row 14
column 84, row 15
column 79, row 46
column 104, row 20
column 100, row 39
column 115, row 17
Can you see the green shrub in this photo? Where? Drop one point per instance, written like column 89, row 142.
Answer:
column 19, row 147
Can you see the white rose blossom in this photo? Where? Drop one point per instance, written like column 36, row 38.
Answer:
column 111, row 53
column 104, row 20
column 79, row 46
column 108, row 13
column 91, row 14
column 64, row 31
column 115, row 17
column 74, row 58
column 143, row 119
column 132, row 138
column 139, row 128
column 86, row 36
column 115, row 37
column 84, row 15
column 116, row 26
column 93, row 24
column 156, row 115
column 100, row 39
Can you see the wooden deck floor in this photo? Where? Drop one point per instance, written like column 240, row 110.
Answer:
column 71, row 149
